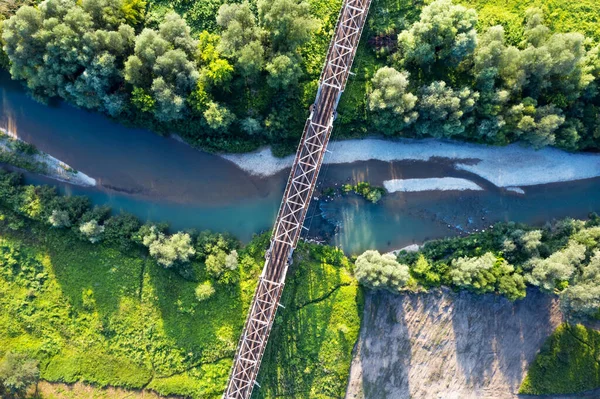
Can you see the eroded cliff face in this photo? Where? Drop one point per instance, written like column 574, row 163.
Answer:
column 448, row 345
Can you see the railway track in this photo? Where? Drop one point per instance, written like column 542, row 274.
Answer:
column 296, row 199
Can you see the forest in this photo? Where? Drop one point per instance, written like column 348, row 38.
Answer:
column 436, row 70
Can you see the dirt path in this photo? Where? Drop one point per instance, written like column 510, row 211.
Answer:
column 448, row 345
column 51, row 390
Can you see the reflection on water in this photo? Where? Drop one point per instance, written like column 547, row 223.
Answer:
column 160, row 179
column 402, row 219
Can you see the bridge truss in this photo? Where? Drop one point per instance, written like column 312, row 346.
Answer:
column 296, row 198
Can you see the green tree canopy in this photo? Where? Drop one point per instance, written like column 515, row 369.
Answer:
column 443, row 37
column 17, row 373
column 391, row 102
column 381, row 271
column 164, row 65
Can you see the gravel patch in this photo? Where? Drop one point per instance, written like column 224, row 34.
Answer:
column 55, row 168
column 509, row 166
column 432, row 184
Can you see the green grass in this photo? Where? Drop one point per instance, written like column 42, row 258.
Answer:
column 569, row 362
column 93, row 314
column 561, row 15
column 309, row 352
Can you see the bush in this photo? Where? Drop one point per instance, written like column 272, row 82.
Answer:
column 17, row 373
column 204, row 291
column 381, row 271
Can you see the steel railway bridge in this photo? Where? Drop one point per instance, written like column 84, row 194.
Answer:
column 296, row 199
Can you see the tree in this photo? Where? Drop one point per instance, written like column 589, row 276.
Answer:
column 163, row 65
column 231, row 260
column 217, row 116
column 443, row 111
column 378, row 271
column 241, row 38
column 393, row 106
column 92, row 231
column 59, row 219
column 536, row 125
column 551, row 273
column 288, row 22
column 487, row 273
column 583, row 297
column 215, row 70
column 219, row 263
column 422, row 270
column 531, row 241
column 167, row 249
column 284, row 71
column 72, row 50
column 120, row 229
column 536, row 32
column 204, row 291
column 240, row 28
column 474, row 273
column 17, row 373
column 142, row 100
column 444, row 36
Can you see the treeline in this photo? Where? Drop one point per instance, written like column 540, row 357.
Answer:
column 245, row 73
column 234, row 87
column 96, row 224
column 445, row 79
column 562, row 258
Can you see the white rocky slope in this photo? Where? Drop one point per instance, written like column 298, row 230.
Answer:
column 448, row 345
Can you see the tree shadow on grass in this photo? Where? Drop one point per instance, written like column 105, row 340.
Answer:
column 92, row 276
column 208, row 329
column 497, row 339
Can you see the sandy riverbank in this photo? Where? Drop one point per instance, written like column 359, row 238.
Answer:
column 50, row 166
column 510, row 166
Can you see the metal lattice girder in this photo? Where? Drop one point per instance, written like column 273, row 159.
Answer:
column 253, row 340
column 343, row 46
column 301, row 184
column 296, row 199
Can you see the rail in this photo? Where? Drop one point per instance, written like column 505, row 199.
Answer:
column 296, row 199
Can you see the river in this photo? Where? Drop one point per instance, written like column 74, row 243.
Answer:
column 161, row 179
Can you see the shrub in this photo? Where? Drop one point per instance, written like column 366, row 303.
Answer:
column 17, row 373
column 204, row 291
column 59, row 219
column 381, row 271
column 92, row 231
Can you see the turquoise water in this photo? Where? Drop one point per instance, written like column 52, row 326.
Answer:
column 161, row 179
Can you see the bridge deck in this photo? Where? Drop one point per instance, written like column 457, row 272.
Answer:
column 296, row 199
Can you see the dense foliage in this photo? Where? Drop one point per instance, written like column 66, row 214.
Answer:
column 447, row 80
column 365, row 190
column 561, row 258
column 567, row 363
column 17, row 373
column 95, row 224
column 443, row 73
column 20, row 154
column 154, row 69
column 111, row 311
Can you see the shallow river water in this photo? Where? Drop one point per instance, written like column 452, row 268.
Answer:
column 161, row 179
